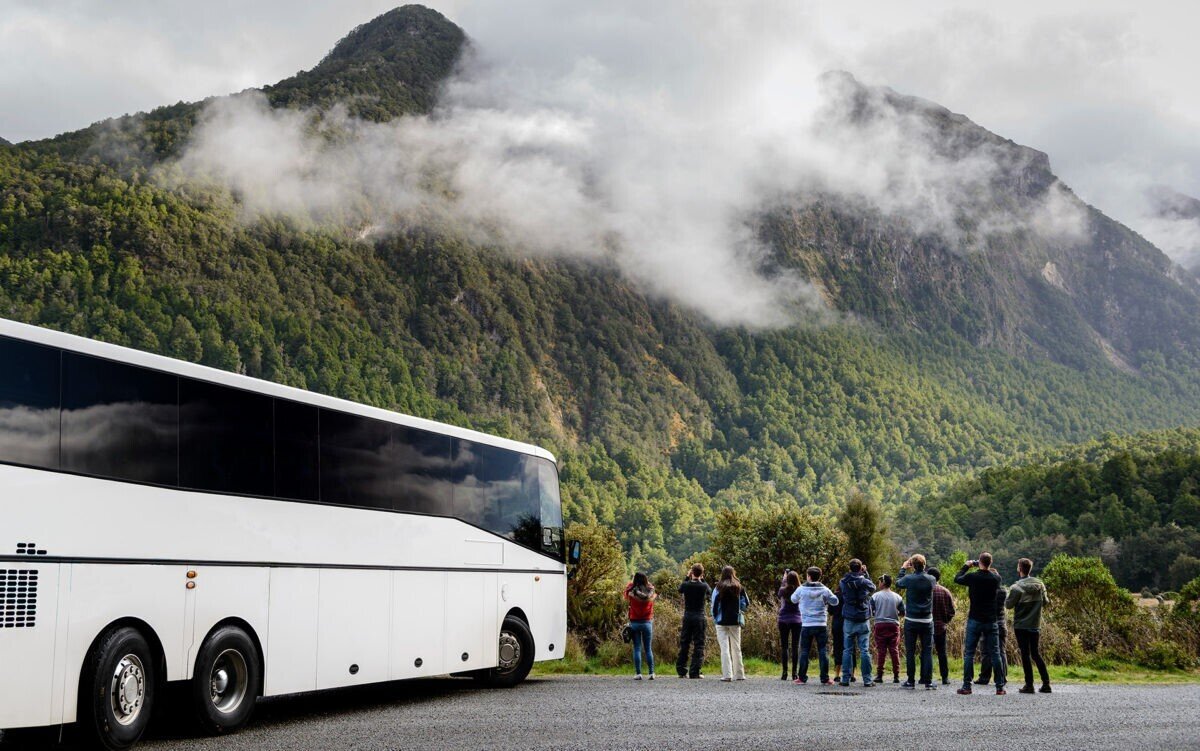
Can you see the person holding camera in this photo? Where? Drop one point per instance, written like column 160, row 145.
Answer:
column 857, row 588
column 918, row 619
column 694, row 627
column 790, row 623
column 729, row 602
column 814, row 599
column 981, row 585
column 985, row 665
column 640, row 595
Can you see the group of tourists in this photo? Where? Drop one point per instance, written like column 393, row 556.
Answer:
column 858, row 611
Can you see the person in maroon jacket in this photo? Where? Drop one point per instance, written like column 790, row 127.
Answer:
column 640, row 595
column 943, row 613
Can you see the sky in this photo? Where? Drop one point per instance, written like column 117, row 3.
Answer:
column 1105, row 88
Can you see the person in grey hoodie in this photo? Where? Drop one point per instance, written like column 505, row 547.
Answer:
column 814, row 598
column 1026, row 599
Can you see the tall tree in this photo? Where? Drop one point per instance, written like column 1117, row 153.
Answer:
column 866, row 531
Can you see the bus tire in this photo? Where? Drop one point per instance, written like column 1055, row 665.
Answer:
column 516, row 655
column 117, row 692
column 226, row 682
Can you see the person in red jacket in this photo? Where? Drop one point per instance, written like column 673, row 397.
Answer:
column 640, row 595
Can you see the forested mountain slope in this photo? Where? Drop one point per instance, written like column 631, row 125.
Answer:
column 955, row 353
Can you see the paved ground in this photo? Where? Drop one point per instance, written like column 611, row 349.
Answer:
column 576, row 712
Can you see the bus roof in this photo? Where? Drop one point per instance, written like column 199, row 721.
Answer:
column 83, row 345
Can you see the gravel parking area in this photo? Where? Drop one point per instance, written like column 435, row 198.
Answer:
column 587, row 712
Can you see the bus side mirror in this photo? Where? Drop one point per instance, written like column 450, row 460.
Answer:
column 574, row 552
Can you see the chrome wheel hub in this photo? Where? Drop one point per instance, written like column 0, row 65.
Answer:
column 127, row 691
column 510, row 651
column 229, row 681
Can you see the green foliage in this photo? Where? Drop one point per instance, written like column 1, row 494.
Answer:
column 759, row 545
column 1164, row 655
column 594, row 590
column 862, row 521
column 1087, row 603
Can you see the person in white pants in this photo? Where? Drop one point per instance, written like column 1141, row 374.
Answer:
column 729, row 601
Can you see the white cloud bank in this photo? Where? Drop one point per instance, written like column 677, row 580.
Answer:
column 650, row 137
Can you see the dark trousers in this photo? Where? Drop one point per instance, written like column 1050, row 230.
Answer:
column 1031, row 654
column 987, row 633
column 985, row 665
column 887, row 642
column 789, row 635
column 838, row 633
column 807, row 635
column 691, row 634
column 922, row 632
column 939, row 645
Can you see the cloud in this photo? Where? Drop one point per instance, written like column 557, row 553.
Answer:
column 652, row 144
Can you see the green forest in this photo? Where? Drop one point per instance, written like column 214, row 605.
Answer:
column 661, row 420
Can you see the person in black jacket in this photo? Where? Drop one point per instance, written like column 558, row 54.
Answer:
column 694, row 628
column 918, row 619
column 981, row 619
column 856, row 588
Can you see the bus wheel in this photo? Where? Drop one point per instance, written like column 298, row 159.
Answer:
column 516, row 655
column 225, row 684
column 117, row 691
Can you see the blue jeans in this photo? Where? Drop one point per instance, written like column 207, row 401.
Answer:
column 643, row 634
column 807, row 634
column 856, row 634
column 991, row 646
column 924, row 633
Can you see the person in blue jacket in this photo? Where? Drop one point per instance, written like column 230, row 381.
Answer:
column 856, row 591
column 729, row 601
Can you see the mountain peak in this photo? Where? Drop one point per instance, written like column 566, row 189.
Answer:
column 387, row 67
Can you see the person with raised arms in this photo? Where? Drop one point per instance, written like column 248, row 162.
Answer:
column 918, row 619
column 981, row 619
column 814, row 599
column 856, row 590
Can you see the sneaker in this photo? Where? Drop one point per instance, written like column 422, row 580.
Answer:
column 741, row 679
column 637, row 677
column 868, row 684
column 964, row 691
column 981, row 683
column 800, row 681
column 908, row 685
column 697, row 676
column 726, row 680
column 827, row 682
column 895, row 679
column 845, row 684
column 683, row 675
column 879, row 678
column 945, row 681
column 853, row 679
column 1001, row 692
column 931, row 686
column 1025, row 690
column 652, row 676
column 1044, row 689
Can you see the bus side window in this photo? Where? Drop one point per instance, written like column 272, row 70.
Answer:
column 225, row 439
column 119, row 420
column 296, row 454
column 29, row 380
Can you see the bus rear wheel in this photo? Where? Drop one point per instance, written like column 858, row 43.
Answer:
column 225, row 684
column 117, row 690
column 515, row 655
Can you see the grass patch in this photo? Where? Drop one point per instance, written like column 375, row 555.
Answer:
column 1100, row 670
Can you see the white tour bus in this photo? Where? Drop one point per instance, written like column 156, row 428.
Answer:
column 166, row 522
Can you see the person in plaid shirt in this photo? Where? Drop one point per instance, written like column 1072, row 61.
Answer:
column 943, row 613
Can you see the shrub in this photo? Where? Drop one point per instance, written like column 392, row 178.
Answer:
column 1087, row 603
column 594, row 591
column 1164, row 655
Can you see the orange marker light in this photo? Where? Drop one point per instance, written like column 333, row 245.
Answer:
column 191, row 574
column 191, row 585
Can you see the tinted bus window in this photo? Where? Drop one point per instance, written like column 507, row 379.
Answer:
column 358, row 461
column 296, row 451
column 422, row 464
column 225, row 438
column 552, row 521
column 29, row 381
column 496, row 489
column 119, row 421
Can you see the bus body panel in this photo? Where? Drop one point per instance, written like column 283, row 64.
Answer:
column 223, row 593
column 418, row 624
column 291, row 641
column 26, row 651
column 354, row 628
